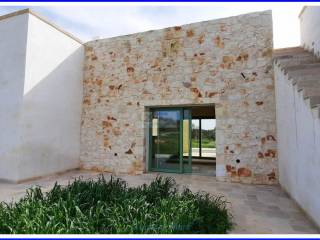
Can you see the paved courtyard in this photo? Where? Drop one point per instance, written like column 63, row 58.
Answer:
column 255, row 208
column 206, row 152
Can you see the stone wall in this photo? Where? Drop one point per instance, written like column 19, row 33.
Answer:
column 227, row 62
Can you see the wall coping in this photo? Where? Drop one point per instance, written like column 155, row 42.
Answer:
column 302, row 11
column 29, row 11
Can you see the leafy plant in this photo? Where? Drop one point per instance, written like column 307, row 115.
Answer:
column 100, row 206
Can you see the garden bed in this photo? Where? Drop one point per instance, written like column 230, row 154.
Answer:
column 111, row 207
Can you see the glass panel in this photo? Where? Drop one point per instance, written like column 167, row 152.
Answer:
column 208, row 138
column 195, row 138
column 166, row 144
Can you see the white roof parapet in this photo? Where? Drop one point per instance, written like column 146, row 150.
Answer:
column 29, row 11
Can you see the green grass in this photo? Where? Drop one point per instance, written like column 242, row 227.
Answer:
column 100, row 206
column 169, row 143
column 205, row 143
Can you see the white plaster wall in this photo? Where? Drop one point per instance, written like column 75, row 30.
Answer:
column 52, row 97
column 298, row 146
column 13, row 41
column 310, row 28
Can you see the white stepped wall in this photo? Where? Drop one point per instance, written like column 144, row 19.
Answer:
column 298, row 132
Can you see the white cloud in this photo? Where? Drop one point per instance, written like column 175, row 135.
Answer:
column 104, row 21
column 88, row 22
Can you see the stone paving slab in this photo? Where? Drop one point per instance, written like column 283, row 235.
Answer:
column 258, row 209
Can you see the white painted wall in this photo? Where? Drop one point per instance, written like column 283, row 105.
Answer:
column 13, row 42
column 298, row 146
column 49, row 96
column 52, row 101
column 310, row 28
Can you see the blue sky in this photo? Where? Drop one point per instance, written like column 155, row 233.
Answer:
column 89, row 22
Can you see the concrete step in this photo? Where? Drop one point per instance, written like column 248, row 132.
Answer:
column 283, row 58
column 316, row 111
column 310, row 91
column 306, row 78
column 299, row 67
column 314, row 101
column 303, row 68
column 297, row 61
column 298, row 72
column 292, row 56
column 286, row 51
column 302, row 83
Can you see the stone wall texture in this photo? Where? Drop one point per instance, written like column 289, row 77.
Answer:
column 227, row 62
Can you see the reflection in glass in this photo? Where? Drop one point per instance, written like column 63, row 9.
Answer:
column 166, row 143
column 195, row 138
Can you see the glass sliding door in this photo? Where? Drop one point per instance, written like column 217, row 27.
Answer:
column 170, row 145
column 166, row 140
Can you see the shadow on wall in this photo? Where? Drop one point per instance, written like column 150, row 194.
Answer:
column 50, row 121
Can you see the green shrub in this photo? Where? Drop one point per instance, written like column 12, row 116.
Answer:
column 100, row 206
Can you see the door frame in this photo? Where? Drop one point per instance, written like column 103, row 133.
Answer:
column 181, row 164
